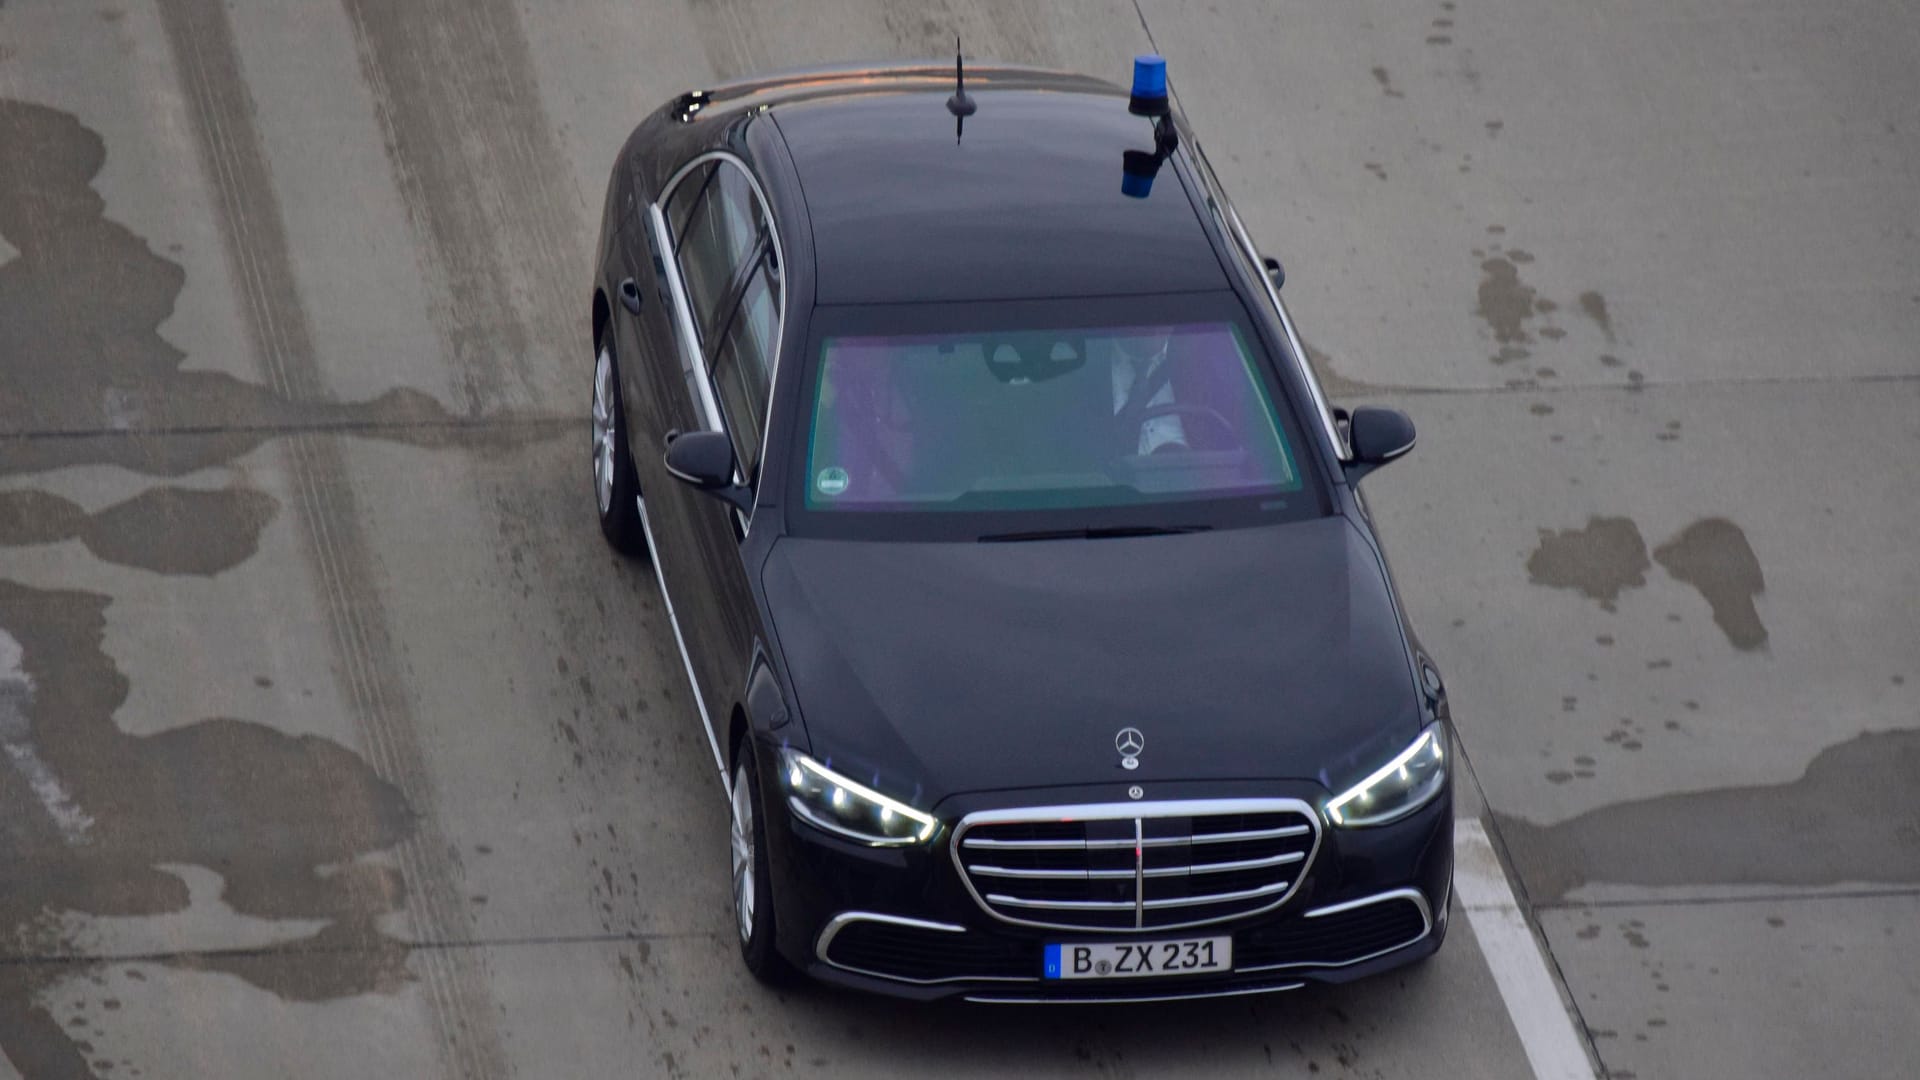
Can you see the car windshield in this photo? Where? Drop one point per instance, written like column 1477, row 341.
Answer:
column 1105, row 422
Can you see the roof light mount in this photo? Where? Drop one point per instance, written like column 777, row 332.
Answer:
column 1149, row 98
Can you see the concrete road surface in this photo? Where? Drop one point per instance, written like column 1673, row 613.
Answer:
column 337, row 744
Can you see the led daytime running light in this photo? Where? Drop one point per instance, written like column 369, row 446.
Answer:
column 831, row 794
column 1355, row 806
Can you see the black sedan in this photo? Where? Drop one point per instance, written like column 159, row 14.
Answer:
column 1039, row 633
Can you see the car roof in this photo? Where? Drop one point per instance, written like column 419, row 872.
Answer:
column 1026, row 204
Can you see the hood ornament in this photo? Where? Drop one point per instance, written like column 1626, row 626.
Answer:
column 1129, row 742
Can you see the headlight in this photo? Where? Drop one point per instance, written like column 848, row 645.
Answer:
column 1399, row 787
column 841, row 806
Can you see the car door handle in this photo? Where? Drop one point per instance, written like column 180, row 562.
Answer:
column 630, row 295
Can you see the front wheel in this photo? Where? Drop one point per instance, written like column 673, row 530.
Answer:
column 615, row 487
column 752, row 885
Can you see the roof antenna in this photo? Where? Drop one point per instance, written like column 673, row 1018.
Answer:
column 960, row 105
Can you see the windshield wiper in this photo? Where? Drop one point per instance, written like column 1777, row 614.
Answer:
column 1102, row 532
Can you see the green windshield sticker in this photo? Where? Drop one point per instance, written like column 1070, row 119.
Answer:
column 832, row 480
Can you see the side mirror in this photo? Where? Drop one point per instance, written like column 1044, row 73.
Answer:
column 704, row 459
column 1378, row 436
column 1275, row 271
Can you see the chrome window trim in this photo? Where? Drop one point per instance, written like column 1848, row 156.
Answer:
column 684, row 332
column 1419, row 901
column 1300, row 362
column 686, row 660
column 686, row 309
column 1241, row 991
column 1131, row 810
column 841, row 921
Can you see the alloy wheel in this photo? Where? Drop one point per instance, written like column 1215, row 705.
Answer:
column 743, row 855
column 605, row 429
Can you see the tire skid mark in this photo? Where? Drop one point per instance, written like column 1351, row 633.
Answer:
column 742, row 37
column 255, row 240
column 484, row 185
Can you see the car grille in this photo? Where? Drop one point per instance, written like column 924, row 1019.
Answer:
column 1136, row 866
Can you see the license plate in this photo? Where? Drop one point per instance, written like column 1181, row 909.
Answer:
column 1139, row 959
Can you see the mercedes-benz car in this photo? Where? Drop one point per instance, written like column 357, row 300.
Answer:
column 1036, row 626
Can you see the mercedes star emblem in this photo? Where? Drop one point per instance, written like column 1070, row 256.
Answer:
column 1129, row 742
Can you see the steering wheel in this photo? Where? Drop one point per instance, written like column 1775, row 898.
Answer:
column 1213, row 418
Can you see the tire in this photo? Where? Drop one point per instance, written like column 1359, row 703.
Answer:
column 752, row 890
column 616, row 488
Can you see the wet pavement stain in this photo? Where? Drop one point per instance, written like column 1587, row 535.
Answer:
column 1506, row 303
column 284, row 820
column 1385, row 80
column 81, row 305
column 167, row 530
column 1594, row 306
column 1714, row 557
column 1850, row 814
column 1601, row 561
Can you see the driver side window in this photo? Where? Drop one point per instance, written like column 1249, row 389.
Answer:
column 742, row 359
column 727, row 256
column 723, row 229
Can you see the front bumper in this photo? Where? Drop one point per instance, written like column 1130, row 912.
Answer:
column 903, row 923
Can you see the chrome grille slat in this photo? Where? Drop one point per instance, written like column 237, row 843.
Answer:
column 1251, row 834
column 1062, row 905
column 1218, row 898
column 1052, row 875
column 1109, row 845
column 1066, row 866
column 1285, row 858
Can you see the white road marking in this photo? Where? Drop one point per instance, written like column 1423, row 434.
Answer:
column 16, row 738
column 1546, row 1030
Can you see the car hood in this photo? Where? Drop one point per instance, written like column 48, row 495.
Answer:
column 934, row 669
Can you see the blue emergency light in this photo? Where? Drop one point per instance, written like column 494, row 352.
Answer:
column 1149, row 99
column 1149, row 86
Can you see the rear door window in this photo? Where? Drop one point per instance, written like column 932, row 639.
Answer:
column 724, row 225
